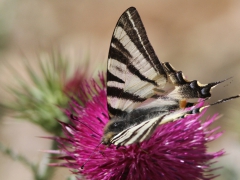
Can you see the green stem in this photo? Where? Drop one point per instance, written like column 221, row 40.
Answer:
column 13, row 155
column 44, row 171
column 40, row 171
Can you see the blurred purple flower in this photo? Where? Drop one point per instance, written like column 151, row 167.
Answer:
column 71, row 85
column 175, row 151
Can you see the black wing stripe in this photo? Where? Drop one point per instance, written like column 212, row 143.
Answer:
column 119, row 56
column 115, row 112
column 168, row 68
column 132, row 24
column 111, row 77
column 136, row 72
column 118, row 45
column 119, row 93
column 130, row 137
column 136, row 132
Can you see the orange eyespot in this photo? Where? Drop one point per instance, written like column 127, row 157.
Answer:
column 182, row 103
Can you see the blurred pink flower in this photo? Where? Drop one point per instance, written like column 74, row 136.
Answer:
column 71, row 85
column 176, row 151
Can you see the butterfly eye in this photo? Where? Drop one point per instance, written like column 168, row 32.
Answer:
column 116, row 124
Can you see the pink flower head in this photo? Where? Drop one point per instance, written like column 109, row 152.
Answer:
column 176, row 151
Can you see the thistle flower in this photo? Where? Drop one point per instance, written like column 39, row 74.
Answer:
column 176, row 150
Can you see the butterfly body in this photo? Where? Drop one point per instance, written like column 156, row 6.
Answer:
column 142, row 91
column 132, row 119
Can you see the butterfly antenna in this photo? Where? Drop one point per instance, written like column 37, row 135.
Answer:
column 228, row 82
column 225, row 100
column 91, row 155
column 218, row 82
column 197, row 110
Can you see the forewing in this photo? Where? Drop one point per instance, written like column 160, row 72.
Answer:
column 133, row 67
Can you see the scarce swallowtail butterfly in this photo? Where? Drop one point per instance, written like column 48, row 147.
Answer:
column 143, row 92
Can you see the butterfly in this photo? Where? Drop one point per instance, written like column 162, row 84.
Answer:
column 142, row 91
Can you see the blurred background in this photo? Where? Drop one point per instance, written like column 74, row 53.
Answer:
column 201, row 38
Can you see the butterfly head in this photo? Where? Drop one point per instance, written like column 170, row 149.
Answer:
column 113, row 127
column 106, row 139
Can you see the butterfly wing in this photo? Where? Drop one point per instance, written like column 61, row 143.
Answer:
column 135, row 74
column 141, row 90
column 133, row 67
column 145, row 129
